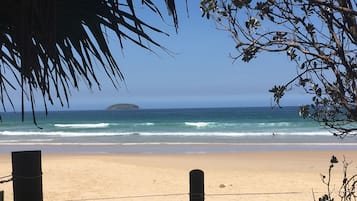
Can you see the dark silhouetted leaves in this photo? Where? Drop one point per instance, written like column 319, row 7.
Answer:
column 51, row 45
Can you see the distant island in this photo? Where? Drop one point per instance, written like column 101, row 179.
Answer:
column 123, row 106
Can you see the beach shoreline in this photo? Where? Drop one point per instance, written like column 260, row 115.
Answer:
column 172, row 148
column 259, row 175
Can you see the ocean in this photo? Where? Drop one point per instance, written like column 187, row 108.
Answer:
column 166, row 130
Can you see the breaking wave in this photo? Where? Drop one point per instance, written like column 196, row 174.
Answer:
column 96, row 125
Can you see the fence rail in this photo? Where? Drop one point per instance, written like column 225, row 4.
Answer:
column 5, row 179
column 24, row 178
column 130, row 197
column 185, row 194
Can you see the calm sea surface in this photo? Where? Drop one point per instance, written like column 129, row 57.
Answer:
column 166, row 126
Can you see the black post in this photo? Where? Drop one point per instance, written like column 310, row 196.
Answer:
column 1, row 195
column 197, row 188
column 27, row 176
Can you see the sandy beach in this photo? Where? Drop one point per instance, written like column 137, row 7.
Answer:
column 271, row 175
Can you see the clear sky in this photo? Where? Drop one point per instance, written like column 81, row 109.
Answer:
column 199, row 73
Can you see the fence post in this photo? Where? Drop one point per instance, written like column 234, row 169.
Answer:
column 1, row 195
column 197, row 189
column 27, row 176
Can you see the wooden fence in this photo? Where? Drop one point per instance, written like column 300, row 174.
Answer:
column 27, row 178
column 27, row 181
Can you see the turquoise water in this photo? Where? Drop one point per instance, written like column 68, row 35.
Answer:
column 168, row 131
column 211, row 125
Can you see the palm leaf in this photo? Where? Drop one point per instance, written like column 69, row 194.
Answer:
column 54, row 44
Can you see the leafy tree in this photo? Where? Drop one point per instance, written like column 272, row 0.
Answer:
column 49, row 46
column 320, row 36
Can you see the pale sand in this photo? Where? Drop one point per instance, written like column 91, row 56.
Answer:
column 101, row 177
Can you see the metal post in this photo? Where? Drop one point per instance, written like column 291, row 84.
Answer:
column 197, row 189
column 27, row 176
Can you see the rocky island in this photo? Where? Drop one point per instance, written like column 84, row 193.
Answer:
column 123, row 106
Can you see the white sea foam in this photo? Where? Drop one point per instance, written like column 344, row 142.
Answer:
column 96, row 125
column 14, row 133
column 146, row 124
column 55, row 133
column 275, row 124
column 27, row 140
column 204, row 134
column 198, row 124
column 236, row 134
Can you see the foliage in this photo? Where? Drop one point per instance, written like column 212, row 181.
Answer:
column 347, row 190
column 320, row 36
column 51, row 45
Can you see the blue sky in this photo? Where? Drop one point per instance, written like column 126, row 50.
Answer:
column 199, row 72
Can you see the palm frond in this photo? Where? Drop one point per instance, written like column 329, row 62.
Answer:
column 52, row 45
